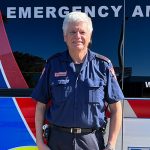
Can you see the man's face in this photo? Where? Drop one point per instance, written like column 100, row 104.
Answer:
column 77, row 36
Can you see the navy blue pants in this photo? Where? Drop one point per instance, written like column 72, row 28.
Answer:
column 60, row 140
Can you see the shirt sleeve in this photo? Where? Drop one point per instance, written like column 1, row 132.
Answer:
column 41, row 92
column 113, row 90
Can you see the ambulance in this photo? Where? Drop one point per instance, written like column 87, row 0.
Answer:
column 30, row 33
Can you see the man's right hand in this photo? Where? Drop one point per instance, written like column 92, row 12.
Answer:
column 43, row 147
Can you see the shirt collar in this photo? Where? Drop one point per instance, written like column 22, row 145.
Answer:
column 66, row 57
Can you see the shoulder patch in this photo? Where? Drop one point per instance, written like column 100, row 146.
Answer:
column 103, row 58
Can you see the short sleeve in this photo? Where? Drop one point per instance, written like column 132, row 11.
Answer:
column 113, row 90
column 41, row 92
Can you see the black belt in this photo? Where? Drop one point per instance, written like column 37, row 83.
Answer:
column 74, row 130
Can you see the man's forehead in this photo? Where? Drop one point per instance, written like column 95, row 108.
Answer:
column 77, row 25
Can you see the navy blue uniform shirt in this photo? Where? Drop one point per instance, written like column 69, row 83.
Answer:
column 77, row 97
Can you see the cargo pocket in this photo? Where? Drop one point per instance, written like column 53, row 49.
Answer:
column 59, row 90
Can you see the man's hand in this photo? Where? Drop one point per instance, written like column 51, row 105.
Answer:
column 109, row 147
column 43, row 147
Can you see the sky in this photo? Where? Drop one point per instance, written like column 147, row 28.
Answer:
column 43, row 36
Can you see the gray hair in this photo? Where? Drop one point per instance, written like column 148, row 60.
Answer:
column 77, row 17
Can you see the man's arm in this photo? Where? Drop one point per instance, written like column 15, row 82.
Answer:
column 115, row 123
column 39, row 120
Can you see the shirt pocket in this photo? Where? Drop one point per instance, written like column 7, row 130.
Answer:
column 95, row 91
column 60, row 90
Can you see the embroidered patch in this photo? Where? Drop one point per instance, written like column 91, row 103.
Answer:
column 60, row 74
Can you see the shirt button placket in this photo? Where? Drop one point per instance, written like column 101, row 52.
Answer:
column 75, row 101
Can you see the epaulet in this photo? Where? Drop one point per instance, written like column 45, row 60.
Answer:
column 52, row 57
column 102, row 57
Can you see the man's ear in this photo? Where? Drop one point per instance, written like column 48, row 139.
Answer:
column 90, row 43
column 64, row 38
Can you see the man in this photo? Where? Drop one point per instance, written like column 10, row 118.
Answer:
column 78, row 82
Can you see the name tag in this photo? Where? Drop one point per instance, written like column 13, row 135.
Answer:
column 60, row 74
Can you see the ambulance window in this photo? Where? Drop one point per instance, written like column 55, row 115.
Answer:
column 33, row 40
column 137, row 54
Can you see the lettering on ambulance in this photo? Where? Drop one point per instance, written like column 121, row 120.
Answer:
column 147, row 84
column 92, row 11
column 50, row 12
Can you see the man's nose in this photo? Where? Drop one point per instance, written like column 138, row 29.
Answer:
column 78, row 34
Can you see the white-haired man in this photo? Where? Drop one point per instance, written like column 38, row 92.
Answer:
column 78, row 82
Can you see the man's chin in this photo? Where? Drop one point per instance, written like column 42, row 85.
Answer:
column 79, row 48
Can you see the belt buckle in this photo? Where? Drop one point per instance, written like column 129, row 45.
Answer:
column 75, row 130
